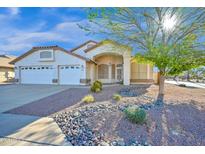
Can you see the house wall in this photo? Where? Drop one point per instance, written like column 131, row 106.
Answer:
column 88, row 69
column 156, row 76
column 91, row 72
column 109, row 60
column 108, row 48
column 141, row 72
column 60, row 58
column 6, row 74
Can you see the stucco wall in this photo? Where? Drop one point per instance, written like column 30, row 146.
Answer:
column 113, row 48
column 91, row 71
column 108, row 48
column 156, row 77
column 109, row 59
column 141, row 71
column 88, row 69
column 6, row 74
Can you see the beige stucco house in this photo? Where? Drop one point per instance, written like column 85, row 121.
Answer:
column 114, row 63
column 6, row 69
column 106, row 61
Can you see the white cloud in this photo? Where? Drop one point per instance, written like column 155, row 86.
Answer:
column 17, row 39
column 14, row 10
column 12, row 13
column 13, row 39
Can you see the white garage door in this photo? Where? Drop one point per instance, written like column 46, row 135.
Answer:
column 69, row 75
column 36, row 74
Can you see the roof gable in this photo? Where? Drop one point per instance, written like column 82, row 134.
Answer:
column 80, row 46
column 106, row 42
column 34, row 49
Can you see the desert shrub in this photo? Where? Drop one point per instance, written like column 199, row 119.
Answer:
column 100, row 83
column 135, row 114
column 88, row 99
column 96, row 86
column 117, row 97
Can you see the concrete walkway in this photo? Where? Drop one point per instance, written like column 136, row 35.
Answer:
column 29, row 130
column 188, row 84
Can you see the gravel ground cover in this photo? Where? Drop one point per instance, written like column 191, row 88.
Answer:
column 175, row 121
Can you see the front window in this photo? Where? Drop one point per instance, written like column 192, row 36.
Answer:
column 103, row 72
column 46, row 55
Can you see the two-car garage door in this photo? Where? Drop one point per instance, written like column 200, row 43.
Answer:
column 36, row 75
column 45, row 74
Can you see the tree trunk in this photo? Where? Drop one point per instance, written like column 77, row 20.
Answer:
column 161, row 84
column 188, row 76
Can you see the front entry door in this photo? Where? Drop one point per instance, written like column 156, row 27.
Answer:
column 119, row 74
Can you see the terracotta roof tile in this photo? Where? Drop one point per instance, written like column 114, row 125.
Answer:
column 5, row 61
column 48, row 47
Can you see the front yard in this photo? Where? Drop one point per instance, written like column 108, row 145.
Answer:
column 178, row 120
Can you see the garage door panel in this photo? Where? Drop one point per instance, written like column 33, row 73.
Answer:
column 69, row 74
column 37, row 75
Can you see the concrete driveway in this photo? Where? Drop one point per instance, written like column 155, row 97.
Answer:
column 12, row 96
column 21, row 129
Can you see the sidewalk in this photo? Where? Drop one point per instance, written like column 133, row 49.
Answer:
column 188, row 84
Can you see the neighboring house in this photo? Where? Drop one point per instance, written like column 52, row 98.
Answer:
column 106, row 61
column 6, row 69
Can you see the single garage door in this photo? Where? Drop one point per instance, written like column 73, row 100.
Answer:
column 69, row 74
column 36, row 74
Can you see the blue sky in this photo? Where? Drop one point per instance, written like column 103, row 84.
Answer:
column 23, row 28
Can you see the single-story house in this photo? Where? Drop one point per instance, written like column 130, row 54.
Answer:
column 6, row 69
column 106, row 61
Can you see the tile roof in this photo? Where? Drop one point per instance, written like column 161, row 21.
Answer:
column 72, row 50
column 48, row 47
column 5, row 61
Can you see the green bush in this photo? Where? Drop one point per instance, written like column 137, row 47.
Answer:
column 100, row 83
column 96, row 86
column 88, row 99
column 117, row 97
column 135, row 115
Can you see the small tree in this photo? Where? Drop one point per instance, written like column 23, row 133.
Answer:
column 198, row 73
column 170, row 38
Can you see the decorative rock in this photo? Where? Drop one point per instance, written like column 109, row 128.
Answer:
column 76, row 114
column 75, row 126
column 104, row 144
column 121, row 143
column 114, row 143
column 145, row 143
column 136, row 142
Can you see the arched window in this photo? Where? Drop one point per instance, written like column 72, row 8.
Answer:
column 103, row 72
